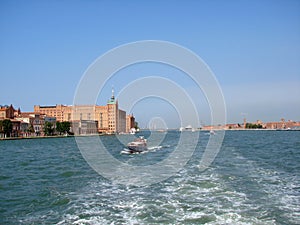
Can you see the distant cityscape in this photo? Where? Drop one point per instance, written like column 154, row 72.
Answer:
column 277, row 125
column 95, row 119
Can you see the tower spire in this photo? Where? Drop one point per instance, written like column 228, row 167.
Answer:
column 112, row 93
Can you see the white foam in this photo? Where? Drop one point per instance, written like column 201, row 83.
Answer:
column 187, row 197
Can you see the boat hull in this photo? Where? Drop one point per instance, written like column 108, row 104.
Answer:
column 139, row 145
column 137, row 148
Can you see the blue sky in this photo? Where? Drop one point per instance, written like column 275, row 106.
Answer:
column 253, row 48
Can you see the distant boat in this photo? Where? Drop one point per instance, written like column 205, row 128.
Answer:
column 189, row 127
column 212, row 132
column 138, row 145
column 132, row 130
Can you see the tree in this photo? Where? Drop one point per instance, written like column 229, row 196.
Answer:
column 253, row 126
column 136, row 125
column 59, row 127
column 63, row 127
column 48, row 128
column 7, row 127
column 1, row 128
column 66, row 125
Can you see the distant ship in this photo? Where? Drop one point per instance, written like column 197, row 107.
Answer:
column 187, row 128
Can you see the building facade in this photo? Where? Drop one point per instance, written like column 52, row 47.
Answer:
column 60, row 112
column 107, row 119
column 130, row 123
column 7, row 112
column 122, row 121
column 32, row 123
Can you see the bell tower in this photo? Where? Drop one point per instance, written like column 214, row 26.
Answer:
column 113, row 113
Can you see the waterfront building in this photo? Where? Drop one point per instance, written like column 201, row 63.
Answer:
column 32, row 123
column 84, row 127
column 37, row 123
column 130, row 123
column 7, row 112
column 108, row 118
column 113, row 114
column 25, row 122
column 57, row 111
column 122, row 121
column 16, row 127
column 280, row 125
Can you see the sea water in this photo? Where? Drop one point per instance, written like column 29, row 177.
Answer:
column 254, row 179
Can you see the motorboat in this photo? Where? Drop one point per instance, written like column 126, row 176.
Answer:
column 138, row 145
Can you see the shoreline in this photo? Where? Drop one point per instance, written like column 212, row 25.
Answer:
column 56, row 136
column 32, row 137
column 89, row 135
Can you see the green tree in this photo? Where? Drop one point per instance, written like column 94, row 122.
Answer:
column 66, row 125
column 7, row 127
column 48, row 128
column 63, row 127
column 253, row 126
column 59, row 127
column 1, row 128
column 136, row 125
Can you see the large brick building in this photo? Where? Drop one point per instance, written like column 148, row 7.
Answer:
column 8, row 113
column 107, row 119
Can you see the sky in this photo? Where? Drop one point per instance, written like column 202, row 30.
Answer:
column 252, row 47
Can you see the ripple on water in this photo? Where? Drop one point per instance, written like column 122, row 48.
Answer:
column 49, row 182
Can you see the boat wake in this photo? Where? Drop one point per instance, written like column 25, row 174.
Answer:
column 148, row 150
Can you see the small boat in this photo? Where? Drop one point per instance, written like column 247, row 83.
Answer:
column 132, row 130
column 212, row 132
column 138, row 145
